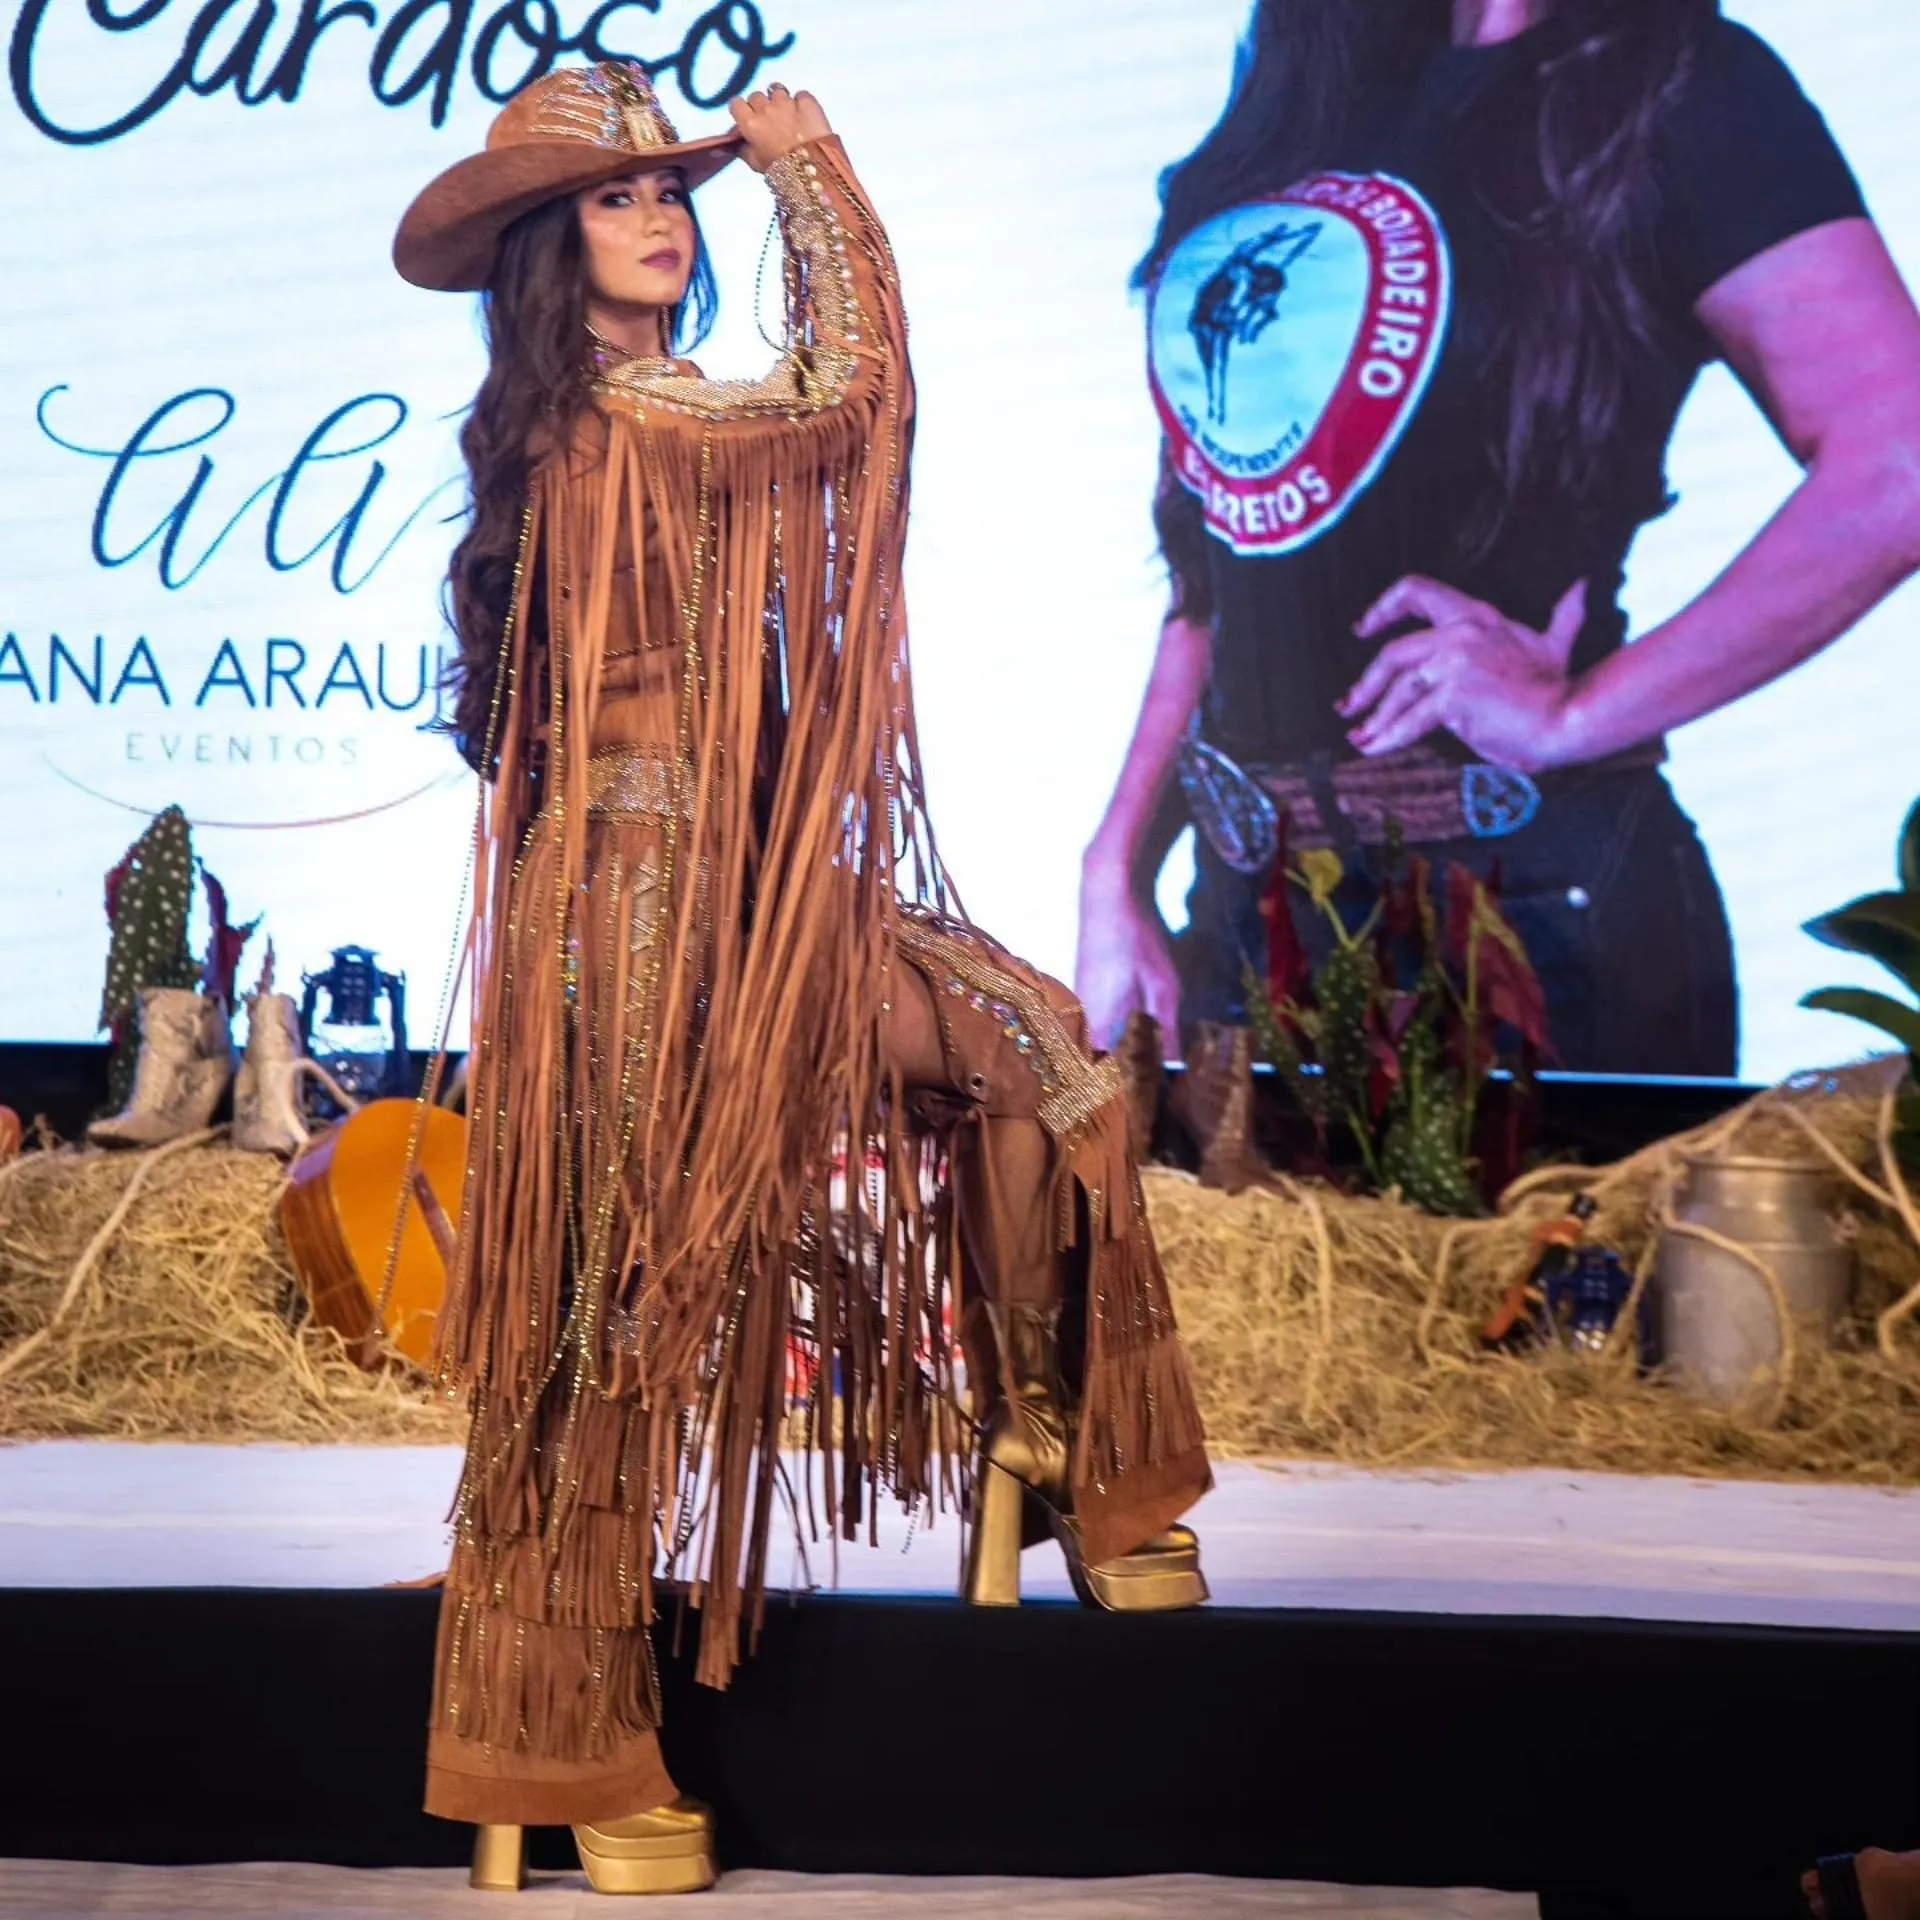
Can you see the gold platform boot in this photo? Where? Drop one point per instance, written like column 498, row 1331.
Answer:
column 667, row 1850
column 499, row 1859
column 1022, row 1467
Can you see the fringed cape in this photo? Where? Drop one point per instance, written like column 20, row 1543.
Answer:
column 643, row 1233
column 657, row 1253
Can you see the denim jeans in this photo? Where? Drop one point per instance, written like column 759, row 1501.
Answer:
column 1608, row 886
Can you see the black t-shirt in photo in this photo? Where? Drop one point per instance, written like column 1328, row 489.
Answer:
column 1329, row 366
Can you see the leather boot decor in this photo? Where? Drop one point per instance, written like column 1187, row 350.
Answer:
column 1214, row 1101
column 267, row 1113
column 1142, row 1060
column 186, row 1061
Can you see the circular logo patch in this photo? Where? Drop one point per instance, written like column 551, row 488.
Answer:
column 1289, row 343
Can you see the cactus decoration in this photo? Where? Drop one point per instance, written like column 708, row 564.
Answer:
column 149, row 898
column 149, row 895
column 1389, row 1040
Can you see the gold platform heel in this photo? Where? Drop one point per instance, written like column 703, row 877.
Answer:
column 1162, row 1577
column 993, row 1551
column 499, row 1859
column 667, row 1850
column 1024, row 1456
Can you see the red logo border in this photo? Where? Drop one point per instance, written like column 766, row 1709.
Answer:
column 1358, row 427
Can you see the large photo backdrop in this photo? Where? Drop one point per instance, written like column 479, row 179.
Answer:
column 230, row 481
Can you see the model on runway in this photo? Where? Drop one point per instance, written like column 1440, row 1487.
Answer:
column 766, row 1136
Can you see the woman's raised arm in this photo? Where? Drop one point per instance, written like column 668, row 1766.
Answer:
column 846, row 334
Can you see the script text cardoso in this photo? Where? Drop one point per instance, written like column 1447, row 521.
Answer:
column 260, row 50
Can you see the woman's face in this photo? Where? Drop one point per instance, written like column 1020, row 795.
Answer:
column 638, row 233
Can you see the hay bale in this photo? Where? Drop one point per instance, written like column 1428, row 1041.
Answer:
column 1325, row 1326
column 1320, row 1326
column 189, row 1324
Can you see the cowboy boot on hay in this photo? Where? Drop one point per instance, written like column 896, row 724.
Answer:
column 267, row 1113
column 186, row 1061
column 1142, row 1059
column 1214, row 1102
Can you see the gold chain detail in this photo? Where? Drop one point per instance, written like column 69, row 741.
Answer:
column 463, row 934
column 1084, row 1085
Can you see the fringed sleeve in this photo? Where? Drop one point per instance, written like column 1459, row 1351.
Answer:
column 846, row 352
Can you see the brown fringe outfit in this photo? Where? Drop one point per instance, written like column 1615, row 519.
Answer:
column 719, row 952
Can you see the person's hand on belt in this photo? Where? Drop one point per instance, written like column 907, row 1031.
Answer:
column 1496, row 685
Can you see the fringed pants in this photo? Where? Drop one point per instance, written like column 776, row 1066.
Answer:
column 992, row 1054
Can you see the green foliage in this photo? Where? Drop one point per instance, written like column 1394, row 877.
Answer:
column 1345, row 986
column 1893, row 1017
column 1274, row 1042
column 1907, row 855
column 1422, row 1153
column 1885, row 927
column 149, row 896
column 1388, row 1042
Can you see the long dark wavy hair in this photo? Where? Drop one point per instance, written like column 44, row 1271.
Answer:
column 534, row 313
column 1313, row 73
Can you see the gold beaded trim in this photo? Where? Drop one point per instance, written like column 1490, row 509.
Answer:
column 612, row 105
column 1076, row 1086
column 1099, row 1085
column 637, row 783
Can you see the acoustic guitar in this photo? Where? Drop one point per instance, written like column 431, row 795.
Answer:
column 338, row 1212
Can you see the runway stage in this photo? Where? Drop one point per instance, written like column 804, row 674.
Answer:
column 1638, row 1696
column 1588, row 1545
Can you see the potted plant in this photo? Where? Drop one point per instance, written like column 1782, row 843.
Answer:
column 1885, row 927
column 1387, row 1045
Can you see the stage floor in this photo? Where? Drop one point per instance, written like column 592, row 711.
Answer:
column 59, row 1890
column 101, row 1514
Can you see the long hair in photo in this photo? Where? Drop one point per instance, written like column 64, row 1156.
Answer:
column 1312, row 75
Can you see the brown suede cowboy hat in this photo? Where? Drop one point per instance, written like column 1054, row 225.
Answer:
column 567, row 130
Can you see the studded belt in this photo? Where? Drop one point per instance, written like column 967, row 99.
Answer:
column 638, row 782
column 1419, row 794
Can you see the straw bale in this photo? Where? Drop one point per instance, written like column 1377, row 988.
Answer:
column 1320, row 1325
column 188, row 1324
column 1323, row 1325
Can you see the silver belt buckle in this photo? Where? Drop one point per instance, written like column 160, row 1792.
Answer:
column 1228, row 805
column 1496, row 801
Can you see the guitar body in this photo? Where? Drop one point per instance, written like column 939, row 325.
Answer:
column 338, row 1212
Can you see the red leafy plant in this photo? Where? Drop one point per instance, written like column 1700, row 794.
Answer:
column 225, row 942
column 1390, row 1040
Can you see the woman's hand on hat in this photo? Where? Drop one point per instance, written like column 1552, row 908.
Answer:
column 1495, row 684
column 773, row 123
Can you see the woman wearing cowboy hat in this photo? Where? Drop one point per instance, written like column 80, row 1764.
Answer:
column 745, row 1083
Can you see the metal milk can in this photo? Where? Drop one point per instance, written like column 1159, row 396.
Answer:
column 1718, row 1325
